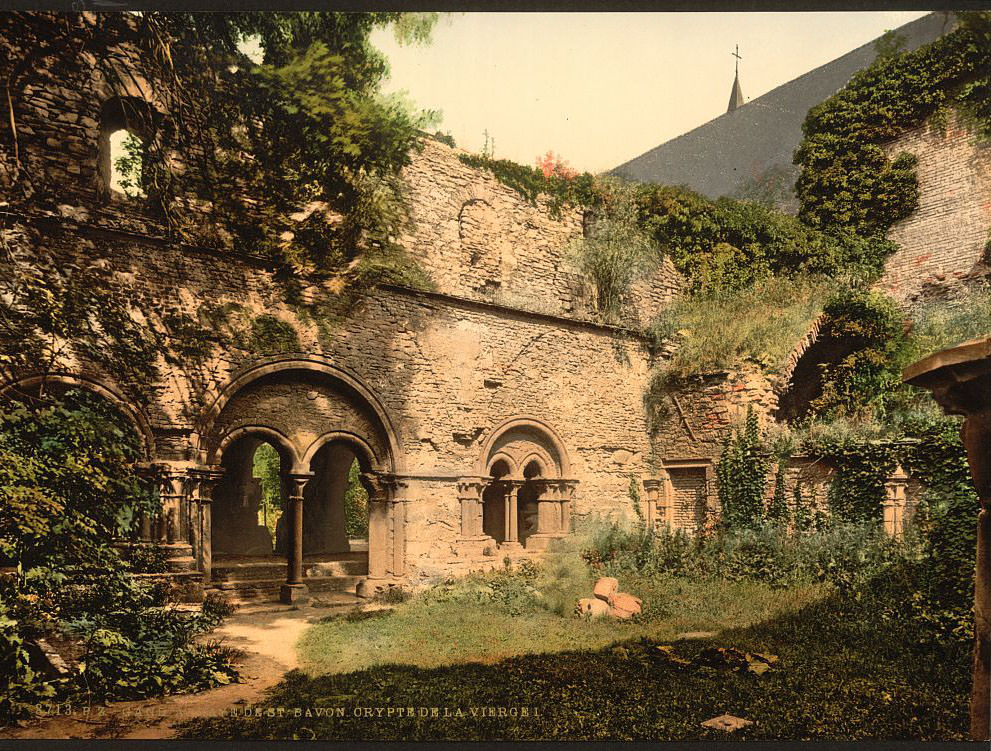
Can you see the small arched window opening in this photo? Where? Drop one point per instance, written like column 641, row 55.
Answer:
column 128, row 127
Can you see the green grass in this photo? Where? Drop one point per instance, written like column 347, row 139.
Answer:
column 762, row 324
column 946, row 323
column 851, row 666
column 469, row 622
column 844, row 673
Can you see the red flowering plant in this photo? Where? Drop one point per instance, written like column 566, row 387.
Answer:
column 552, row 164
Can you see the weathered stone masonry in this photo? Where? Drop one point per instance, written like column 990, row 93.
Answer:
column 945, row 241
column 484, row 415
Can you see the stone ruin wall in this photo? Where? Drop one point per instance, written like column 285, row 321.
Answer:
column 448, row 365
column 944, row 243
column 481, row 240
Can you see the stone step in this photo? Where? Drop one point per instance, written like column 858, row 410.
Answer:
column 275, row 569
column 253, row 590
column 330, row 602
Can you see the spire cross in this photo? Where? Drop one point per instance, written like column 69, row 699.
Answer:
column 736, row 54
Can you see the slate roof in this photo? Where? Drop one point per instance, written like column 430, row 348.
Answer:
column 744, row 143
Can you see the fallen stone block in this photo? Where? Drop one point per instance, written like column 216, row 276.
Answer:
column 591, row 607
column 625, row 605
column 727, row 723
column 605, row 588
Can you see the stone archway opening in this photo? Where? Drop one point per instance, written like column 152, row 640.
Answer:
column 521, row 494
column 249, row 501
column 335, row 502
column 341, row 519
column 494, row 516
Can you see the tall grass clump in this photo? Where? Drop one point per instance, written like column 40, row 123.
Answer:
column 718, row 329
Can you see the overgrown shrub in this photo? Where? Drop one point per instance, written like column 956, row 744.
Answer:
column 871, row 326
column 68, row 490
column 741, row 475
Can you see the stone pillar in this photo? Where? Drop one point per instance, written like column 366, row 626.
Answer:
column 472, row 540
column 655, row 514
column 894, row 502
column 566, row 493
column 548, row 514
column 512, row 534
column 204, row 481
column 398, row 498
column 172, row 491
column 548, row 508
column 960, row 381
column 388, row 497
column 294, row 590
column 378, row 525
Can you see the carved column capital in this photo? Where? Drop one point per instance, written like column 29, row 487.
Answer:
column 471, row 486
column 204, row 480
column 298, row 482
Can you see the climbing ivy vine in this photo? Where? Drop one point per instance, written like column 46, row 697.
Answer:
column 847, row 179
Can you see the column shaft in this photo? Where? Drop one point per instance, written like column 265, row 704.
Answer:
column 295, row 556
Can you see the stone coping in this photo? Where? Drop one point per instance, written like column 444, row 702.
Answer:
column 924, row 370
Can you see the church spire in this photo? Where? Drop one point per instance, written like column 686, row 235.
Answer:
column 736, row 95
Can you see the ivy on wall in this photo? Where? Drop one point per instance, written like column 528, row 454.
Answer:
column 741, row 475
column 847, row 181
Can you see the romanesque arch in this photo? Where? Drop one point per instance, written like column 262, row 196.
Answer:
column 29, row 385
column 521, row 492
column 321, row 420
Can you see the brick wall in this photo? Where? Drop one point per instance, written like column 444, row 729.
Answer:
column 943, row 243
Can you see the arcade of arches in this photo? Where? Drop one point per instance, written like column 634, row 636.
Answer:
column 271, row 477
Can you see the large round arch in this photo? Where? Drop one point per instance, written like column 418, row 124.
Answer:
column 362, row 417
column 321, row 419
column 524, row 439
column 25, row 386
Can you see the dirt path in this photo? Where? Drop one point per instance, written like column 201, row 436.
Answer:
column 268, row 640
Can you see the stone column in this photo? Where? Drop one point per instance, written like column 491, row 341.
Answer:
column 387, row 501
column 378, row 525
column 566, row 493
column 548, row 515
column 173, row 494
column 472, row 540
column 548, row 508
column 894, row 502
column 399, row 497
column 204, row 482
column 512, row 535
column 654, row 514
column 960, row 381
column 293, row 592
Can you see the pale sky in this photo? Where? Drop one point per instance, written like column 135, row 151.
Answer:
column 602, row 88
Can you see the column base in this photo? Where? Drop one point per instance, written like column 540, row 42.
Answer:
column 371, row 587
column 510, row 545
column 294, row 594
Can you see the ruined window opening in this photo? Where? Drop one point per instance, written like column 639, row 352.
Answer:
column 128, row 126
column 494, row 503
column 126, row 157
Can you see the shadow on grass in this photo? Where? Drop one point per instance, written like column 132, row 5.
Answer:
column 846, row 672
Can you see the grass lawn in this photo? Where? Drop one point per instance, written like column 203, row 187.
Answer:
column 463, row 623
column 844, row 672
